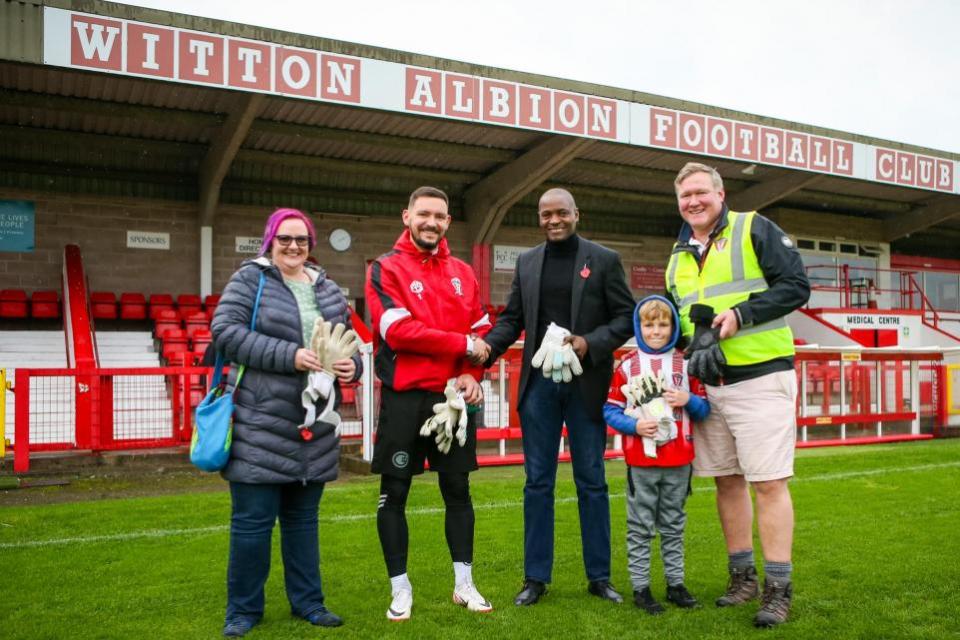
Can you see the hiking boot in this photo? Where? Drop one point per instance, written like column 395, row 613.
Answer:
column 644, row 600
column 743, row 587
column 775, row 603
column 679, row 596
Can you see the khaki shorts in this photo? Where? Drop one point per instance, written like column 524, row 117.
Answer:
column 751, row 430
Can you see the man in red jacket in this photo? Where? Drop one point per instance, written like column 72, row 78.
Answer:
column 426, row 312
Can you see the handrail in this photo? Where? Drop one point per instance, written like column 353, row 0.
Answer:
column 78, row 327
column 924, row 301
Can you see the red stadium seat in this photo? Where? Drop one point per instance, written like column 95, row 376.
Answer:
column 103, row 305
column 200, row 339
column 13, row 303
column 211, row 301
column 133, row 306
column 166, row 320
column 160, row 302
column 44, row 305
column 188, row 304
column 174, row 341
column 195, row 321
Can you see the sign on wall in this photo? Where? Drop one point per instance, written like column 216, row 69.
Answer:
column 17, row 226
column 505, row 257
column 148, row 240
column 648, row 277
column 248, row 244
column 124, row 47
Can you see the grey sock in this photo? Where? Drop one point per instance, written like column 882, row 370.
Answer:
column 778, row 570
column 740, row 559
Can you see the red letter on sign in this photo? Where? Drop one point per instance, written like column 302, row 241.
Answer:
column 201, row 58
column 536, row 108
column 568, row 114
column 663, row 128
column 747, row 145
column 295, row 71
column 249, row 65
column 96, row 43
column 906, row 168
column 843, row 157
column 422, row 90
column 692, row 132
column 886, row 165
column 925, row 175
column 719, row 137
column 945, row 175
column 461, row 98
column 820, row 153
column 340, row 78
column 500, row 102
column 771, row 145
column 149, row 50
column 602, row 117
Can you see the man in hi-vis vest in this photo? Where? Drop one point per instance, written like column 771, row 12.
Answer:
column 734, row 277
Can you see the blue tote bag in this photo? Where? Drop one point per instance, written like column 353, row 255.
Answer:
column 213, row 418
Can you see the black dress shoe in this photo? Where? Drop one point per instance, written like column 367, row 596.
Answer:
column 645, row 600
column 603, row 589
column 531, row 592
column 679, row 596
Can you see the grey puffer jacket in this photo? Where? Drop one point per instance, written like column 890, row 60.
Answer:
column 267, row 445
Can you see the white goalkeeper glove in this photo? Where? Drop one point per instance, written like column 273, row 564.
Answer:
column 556, row 359
column 448, row 415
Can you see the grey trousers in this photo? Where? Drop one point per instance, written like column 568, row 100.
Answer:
column 655, row 502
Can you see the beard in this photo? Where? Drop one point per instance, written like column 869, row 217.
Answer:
column 424, row 244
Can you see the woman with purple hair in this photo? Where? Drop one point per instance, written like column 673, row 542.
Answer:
column 279, row 464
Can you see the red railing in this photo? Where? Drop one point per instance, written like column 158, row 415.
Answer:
column 869, row 288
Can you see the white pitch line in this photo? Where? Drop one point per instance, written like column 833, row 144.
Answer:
column 354, row 517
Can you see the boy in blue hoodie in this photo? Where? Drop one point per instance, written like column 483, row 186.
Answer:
column 651, row 404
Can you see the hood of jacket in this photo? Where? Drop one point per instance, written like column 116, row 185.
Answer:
column 675, row 335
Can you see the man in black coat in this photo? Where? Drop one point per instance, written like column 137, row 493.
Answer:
column 578, row 285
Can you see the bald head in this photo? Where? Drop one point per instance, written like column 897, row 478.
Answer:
column 557, row 192
column 558, row 215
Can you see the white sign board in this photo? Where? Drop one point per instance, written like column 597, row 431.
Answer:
column 124, row 47
column 505, row 257
column 148, row 240
column 248, row 244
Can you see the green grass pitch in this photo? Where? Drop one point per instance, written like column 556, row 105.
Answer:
column 876, row 555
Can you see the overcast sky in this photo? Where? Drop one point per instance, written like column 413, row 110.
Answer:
column 883, row 68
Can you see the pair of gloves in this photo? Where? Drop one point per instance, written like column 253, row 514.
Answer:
column 705, row 358
column 556, row 359
column 644, row 402
column 447, row 415
column 330, row 343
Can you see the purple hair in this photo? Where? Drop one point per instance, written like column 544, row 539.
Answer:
column 274, row 222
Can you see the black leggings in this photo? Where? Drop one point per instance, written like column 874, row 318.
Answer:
column 392, row 520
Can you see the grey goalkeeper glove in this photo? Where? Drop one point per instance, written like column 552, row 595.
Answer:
column 556, row 359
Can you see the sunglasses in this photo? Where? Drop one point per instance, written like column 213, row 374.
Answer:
column 285, row 241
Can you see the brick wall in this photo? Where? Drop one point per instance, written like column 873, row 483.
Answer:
column 99, row 226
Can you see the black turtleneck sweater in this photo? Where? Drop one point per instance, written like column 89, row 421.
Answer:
column 556, row 284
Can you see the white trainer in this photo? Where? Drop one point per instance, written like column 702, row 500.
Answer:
column 466, row 595
column 400, row 606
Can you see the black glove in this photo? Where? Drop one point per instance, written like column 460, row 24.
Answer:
column 703, row 352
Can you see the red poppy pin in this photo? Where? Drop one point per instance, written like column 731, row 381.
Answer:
column 585, row 272
column 306, row 434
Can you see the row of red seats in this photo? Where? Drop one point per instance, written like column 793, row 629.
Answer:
column 41, row 305
column 135, row 306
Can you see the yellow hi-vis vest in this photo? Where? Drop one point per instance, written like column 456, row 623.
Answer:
column 729, row 275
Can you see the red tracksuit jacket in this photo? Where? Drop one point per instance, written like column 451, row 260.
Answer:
column 422, row 306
